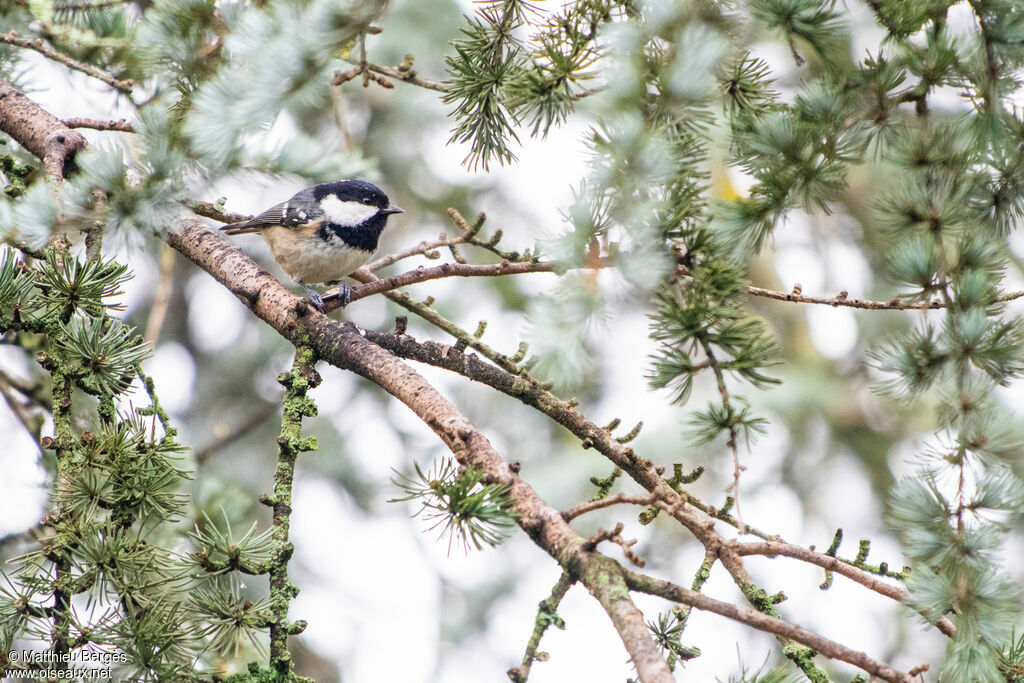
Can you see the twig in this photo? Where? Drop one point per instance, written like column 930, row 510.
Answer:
column 764, row 622
column 120, row 125
column 82, row 6
column 842, row 300
column 404, row 76
column 797, row 57
column 12, row 38
column 615, row 536
column 362, row 68
column 699, row 579
column 20, row 410
column 424, row 248
column 546, row 616
column 444, row 270
column 154, row 407
column 424, row 310
column 254, row 420
column 775, row 548
column 211, row 210
column 161, row 297
column 467, row 235
column 737, row 468
column 591, row 505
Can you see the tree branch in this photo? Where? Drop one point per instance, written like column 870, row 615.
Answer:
column 423, row 248
column 119, row 125
column 32, row 425
column 297, row 382
column 841, row 300
column 407, row 76
column 256, row 419
column 591, row 505
column 11, row 38
column 763, row 622
column 684, row 508
column 346, row 347
column 213, row 211
column 775, row 548
column 444, row 270
column 690, row 511
column 39, row 132
column 462, row 337
column 546, row 616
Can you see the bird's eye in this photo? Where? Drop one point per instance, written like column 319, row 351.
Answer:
column 367, row 200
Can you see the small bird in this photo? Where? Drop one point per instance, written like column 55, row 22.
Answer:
column 323, row 233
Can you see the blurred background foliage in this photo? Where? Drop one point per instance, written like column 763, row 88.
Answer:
column 784, row 143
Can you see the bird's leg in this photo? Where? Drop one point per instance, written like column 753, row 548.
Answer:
column 314, row 296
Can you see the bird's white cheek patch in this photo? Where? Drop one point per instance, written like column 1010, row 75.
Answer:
column 346, row 213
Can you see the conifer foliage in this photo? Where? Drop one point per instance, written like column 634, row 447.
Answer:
column 918, row 142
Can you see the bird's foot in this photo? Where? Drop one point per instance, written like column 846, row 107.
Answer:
column 344, row 294
column 314, row 297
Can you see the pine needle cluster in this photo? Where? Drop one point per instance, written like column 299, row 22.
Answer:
column 107, row 572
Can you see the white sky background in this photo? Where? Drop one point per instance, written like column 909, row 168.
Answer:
column 388, row 597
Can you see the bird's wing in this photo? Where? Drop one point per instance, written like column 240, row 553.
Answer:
column 289, row 214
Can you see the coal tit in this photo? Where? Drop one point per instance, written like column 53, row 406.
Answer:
column 323, row 233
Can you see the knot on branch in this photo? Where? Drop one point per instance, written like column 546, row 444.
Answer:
column 59, row 152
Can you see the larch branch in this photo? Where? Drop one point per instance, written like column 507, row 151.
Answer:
column 38, row 45
column 406, row 76
column 120, row 125
column 775, row 548
column 842, row 300
column 764, row 622
column 591, row 505
column 39, row 132
column 346, row 347
column 444, row 270
column 546, row 616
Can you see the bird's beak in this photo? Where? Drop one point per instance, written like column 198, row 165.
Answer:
column 393, row 209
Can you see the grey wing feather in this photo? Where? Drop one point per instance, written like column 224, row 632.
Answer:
column 291, row 214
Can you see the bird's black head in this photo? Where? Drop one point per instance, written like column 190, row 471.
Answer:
column 356, row 211
column 351, row 202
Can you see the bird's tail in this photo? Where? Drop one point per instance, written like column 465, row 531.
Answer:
column 243, row 227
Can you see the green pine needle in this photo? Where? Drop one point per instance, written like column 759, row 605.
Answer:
column 466, row 510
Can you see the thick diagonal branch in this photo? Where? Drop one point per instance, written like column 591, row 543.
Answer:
column 345, row 347
column 38, row 131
